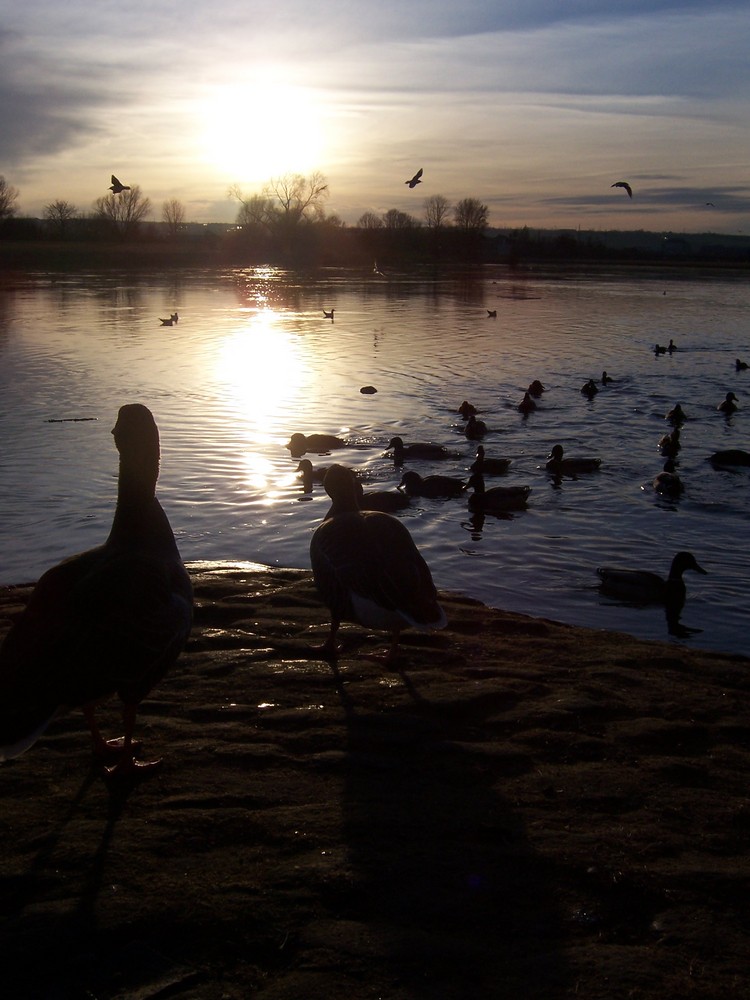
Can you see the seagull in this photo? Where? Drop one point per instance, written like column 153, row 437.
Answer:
column 416, row 179
column 623, row 184
column 116, row 187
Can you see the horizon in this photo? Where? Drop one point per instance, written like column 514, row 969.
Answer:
column 534, row 110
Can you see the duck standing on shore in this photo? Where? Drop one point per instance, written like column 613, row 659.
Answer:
column 368, row 569
column 111, row 620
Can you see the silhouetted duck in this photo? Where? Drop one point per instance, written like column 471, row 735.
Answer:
column 728, row 405
column 730, row 456
column 310, row 475
column 671, row 346
column 117, row 187
column 740, row 366
column 669, row 444
column 606, row 379
column 418, row 449
column 329, row 315
column 489, row 466
column 492, row 313
column 659, row 349
column 498, row 498
column 431, row 486
column 644, row 587
column 676, row 415
column 667, row 482
column 167, row 322
column 474, row 428
column 467, row 409
column 535, row 389
column 589, row 389
column 318, row 444
column 560, row 466
column 368, row 570
column 527, row 404
column 111, row 620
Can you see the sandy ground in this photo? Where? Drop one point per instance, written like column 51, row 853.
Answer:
column 523, row 809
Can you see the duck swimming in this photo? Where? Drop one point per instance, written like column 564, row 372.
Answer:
column 319, row 444
column 589, row 388
column 498, row 498
column 740, row 366
column 560, row 466
column 310, row 475
column 669, row 444
column 111, row 620
column 419, row 449
column 489, row 466
column 676, row 415
column 527, row 404
column 667, row 482
column 431, row 486
column 368, row 570
column 606, row 379
column 475, row 429
column 731, row 456
column 644, row 587
column 467, row 409
column 728, row 405
column 535, row 388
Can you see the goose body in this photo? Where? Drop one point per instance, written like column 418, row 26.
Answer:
column 560, row 466
column 496, row 499
column 419, row 449
column 431, row 486
column 645, row 587
column 111, row 620
column 318, row 444
column 489, row 466
column 368, row 570
column 731, row 456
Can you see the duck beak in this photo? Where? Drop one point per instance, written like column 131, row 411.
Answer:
column 700, row 569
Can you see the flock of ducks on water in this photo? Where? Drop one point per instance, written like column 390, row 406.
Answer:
column 113, row 620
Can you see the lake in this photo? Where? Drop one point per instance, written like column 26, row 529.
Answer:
column 252, row 359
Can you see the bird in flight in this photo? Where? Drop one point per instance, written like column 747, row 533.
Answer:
column 116, row 187
column 416, row 179
column 623, row 184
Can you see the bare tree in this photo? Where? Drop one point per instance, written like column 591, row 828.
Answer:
column 436, row 209
column 470, row 214
column 58, row 214
column 394, row 218
column 370, row 221
column 8, row 199
column 285, row 202
column 123, row 211
column 173, row 213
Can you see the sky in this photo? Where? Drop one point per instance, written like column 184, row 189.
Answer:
column 535, row 107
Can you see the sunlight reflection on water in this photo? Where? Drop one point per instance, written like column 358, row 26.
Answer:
column 253, row 360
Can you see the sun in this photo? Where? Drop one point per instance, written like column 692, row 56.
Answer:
column 264, row 128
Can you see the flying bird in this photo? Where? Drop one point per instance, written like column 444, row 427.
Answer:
column 416, row 179
column 623, row 184
column 116, row 187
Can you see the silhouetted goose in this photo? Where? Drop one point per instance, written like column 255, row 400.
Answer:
column 368, row 569
column 467, row 409
column 740, row 366
column 606, row 379
column 167, row 322
column 318, row 444
column 431, row 486
column 625, row 185
column 497, row 499
column 676, row 415
column 644, row 587
column 492, row 313
column 728, row 405
column 416, row 179
column 418, row 449
column 108, row 621
column 560, row 466
column 116, row 187
column 474, row 428
column 731, row 456
column 489, row 466
column 329, row 315
column 527, row 404
column 667, row 482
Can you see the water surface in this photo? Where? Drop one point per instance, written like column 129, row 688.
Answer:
column 252, row 360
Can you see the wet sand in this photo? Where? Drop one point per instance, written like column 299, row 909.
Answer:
column 523, row 809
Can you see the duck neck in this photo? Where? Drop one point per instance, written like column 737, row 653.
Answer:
column 138, row 514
